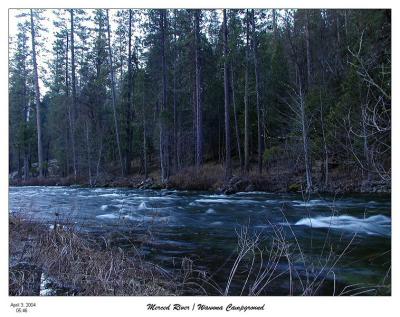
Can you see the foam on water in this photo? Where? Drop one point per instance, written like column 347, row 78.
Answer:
column 110, row 195
column 251, row 193
column 337, row 203
column 374, row 225
column 88, row 196
column 104, row 207
column 141, row 197
column 108, row 216
column 103, row 190
column 310, row 203
column 142, row 206
column 210, row 211
column 160, row 198
column 226, row 201
column 214, row 196
column 207, row 201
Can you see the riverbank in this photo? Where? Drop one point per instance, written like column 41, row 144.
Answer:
column 211, row 177
column 60, row 260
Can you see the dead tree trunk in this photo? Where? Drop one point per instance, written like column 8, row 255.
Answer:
column 326, row 160
column 297, row 105
column 304, row 130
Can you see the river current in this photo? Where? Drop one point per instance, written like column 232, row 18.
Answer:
column 204, row 226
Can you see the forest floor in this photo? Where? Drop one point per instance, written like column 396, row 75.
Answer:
column 211, row 177
column 61, row 260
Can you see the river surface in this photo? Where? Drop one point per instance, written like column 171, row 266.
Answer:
column 203, row 227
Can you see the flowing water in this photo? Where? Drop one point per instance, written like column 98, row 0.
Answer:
column 203, row 227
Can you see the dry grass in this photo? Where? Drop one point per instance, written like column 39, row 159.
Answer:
column 48, row 181
column 79, row 264
column 207, row 177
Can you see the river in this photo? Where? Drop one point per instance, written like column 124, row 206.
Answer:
column 204, row 227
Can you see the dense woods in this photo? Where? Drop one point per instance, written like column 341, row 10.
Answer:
column 301, row 97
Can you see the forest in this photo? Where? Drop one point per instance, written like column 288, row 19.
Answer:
column 231, row 99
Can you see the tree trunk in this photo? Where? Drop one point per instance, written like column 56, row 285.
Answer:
column 365, row 140
column 26, row 148
column 113, row 95
column 194, row 121
column 163, row 134
column 274, row 26
column 175, row 114
column 326, row 160
column 66, row 68
column 70, row 115
column 37, row 98
column 73, row 83
column 235, row 118
column 199, row 110
column 129, row 117
column 308, row 48
column 144, row 135
column 26, row 166
column 304, row 131
column 255, row 59
column 337, row 24
column 228, row 163
column 99, row 160
column 88, row 153
column 246, row 99
column 18, row 162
